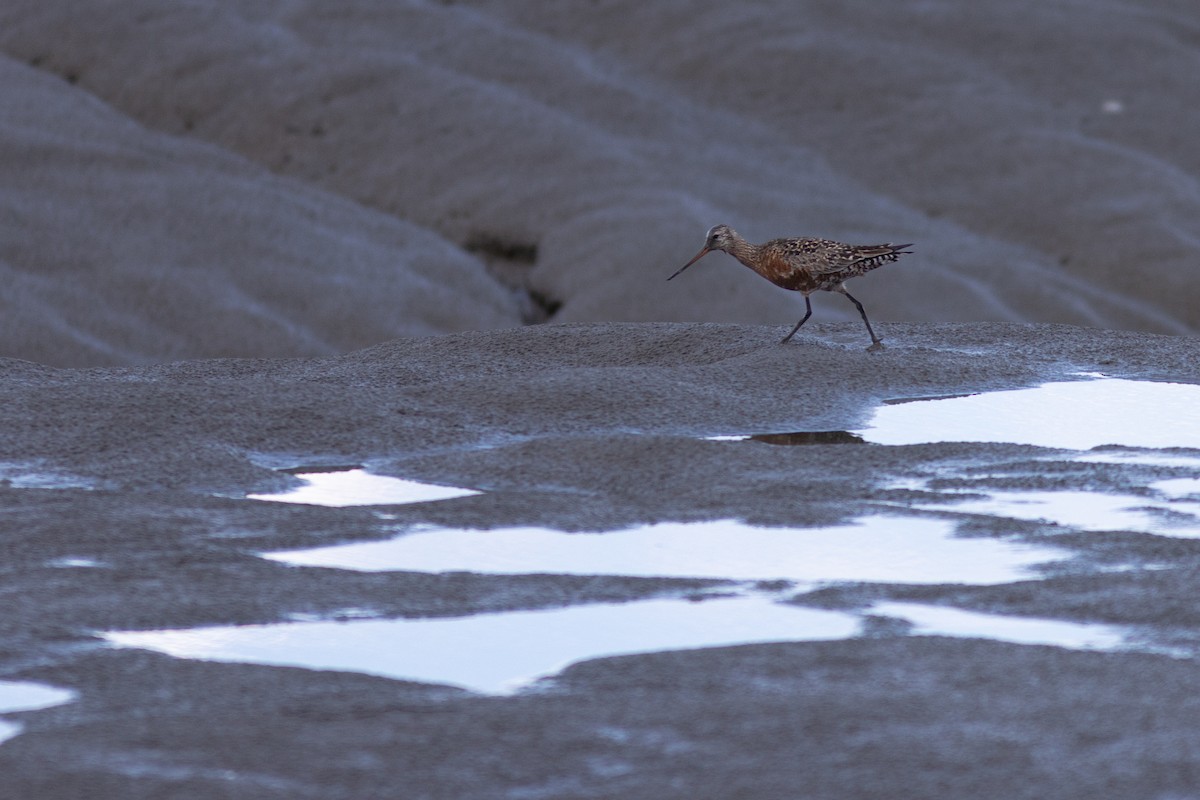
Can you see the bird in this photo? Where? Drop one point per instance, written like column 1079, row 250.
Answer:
column 804, row 265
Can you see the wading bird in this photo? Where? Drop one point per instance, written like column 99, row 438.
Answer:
column 804, row 265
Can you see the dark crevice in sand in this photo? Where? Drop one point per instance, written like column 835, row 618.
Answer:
column 494, row 246
column 510, row 262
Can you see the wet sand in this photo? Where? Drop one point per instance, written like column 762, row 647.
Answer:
column 579, row 427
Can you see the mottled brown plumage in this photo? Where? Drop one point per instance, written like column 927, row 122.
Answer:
column 804, row 265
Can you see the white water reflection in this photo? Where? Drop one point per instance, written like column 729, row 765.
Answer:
column 501, row 652
column 1087, row 511
column 25, row 696
column 1075, row 415
column 357, row 487
column 35, row 475
column 1177, row 488
column 1147, row 458
column 75, row 563
column 943, row 621
column 879, row 548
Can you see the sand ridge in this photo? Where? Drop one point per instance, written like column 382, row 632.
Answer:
column 1038, row 166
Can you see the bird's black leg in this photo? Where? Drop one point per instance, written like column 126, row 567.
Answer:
column 807, row 314
column 876, row 342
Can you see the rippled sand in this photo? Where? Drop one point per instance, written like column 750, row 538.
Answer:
column 204, row 179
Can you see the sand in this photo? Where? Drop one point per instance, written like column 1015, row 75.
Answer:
column 144, row 472
column 243, row 237
column 206, row 179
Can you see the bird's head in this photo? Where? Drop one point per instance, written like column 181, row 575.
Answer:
column 720, row 237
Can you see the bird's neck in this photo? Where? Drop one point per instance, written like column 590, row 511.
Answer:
column 742, row 250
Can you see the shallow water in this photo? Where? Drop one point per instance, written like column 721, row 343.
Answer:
column 501, row 652
column 1146, row 458
column 357, row 487
column 30, row 475
column 1074, row 415
column 879, row 548
column 1087, row 511
column 76, row 563
column 1178, row 488
column 944, row 621
column 26, row 696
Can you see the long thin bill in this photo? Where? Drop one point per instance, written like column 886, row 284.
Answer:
column 699, row 256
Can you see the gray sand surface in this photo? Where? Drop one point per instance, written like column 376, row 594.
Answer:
column 221, row 178
column 580, row 427
column 238, row 238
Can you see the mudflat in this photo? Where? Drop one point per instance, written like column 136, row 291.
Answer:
column 125, row 509
column 431, row 241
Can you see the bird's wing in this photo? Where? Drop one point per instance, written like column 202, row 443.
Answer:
column 823, row 256
column 820, row 257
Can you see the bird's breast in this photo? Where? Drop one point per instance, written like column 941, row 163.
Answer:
column 785, row 272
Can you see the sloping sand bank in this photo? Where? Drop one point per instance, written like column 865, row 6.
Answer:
column 201, row 179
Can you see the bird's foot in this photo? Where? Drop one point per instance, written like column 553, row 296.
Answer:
column 876, row 346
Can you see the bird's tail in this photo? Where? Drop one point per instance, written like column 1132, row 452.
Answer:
column 872, row 256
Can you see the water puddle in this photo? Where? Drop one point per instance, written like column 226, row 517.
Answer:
column 355, row 486
column 1089, row 511
column 31, row 475
column 879, row 548
column 500, row 653
column 1073, row 415
column 1141, row 458
column 1179, row 488
column 76, row 563
column 942, row 621
column 25, row 696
